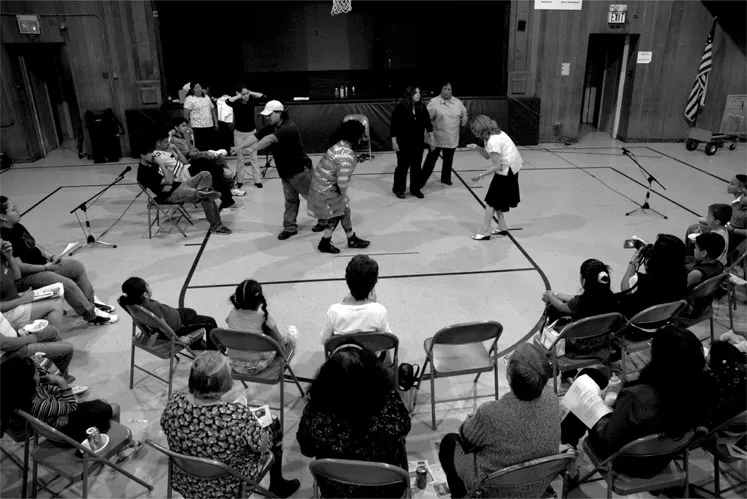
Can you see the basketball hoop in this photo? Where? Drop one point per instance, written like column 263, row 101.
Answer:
column 341, row 7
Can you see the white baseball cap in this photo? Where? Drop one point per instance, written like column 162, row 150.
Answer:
column 271, row 107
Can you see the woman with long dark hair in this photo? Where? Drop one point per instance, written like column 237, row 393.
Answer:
column 596, row 297
column 354, row 412
column 410, row 121
column 328, row 199
column 668, row 397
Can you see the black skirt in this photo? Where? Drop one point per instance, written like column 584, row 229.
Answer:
column 503, row 193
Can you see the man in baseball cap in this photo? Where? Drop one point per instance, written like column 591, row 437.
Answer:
column 291, row 161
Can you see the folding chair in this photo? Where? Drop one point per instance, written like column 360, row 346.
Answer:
column 514, row 481
column 650, row 319
column 243, row 341
column 458, row 349
column 728, row 432
column 366, row 136
column 703, row 291
column 166, row 213
column 17, row 432
column 673, row 475
column 152, row 334
column 365, row 478
column 210, row 469
column 735, row 281
column 374, row 341
column 584, row 329
column 66, row 461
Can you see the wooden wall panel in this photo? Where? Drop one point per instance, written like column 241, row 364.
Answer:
column 675, row 31
column 112, row 53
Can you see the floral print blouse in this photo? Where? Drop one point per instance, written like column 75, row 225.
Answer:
column 200, row 111
column 227, row 432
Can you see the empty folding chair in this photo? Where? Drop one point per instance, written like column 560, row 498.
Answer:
column 349, row 478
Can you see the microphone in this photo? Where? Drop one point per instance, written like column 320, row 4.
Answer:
column 124, row 172
column 625, row 151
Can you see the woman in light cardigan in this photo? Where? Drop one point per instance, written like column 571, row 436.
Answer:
column 503, row 193
column 522, row 425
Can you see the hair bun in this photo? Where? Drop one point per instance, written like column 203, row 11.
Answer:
column 603, row 277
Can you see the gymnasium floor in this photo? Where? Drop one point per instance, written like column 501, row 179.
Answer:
column 574, row 201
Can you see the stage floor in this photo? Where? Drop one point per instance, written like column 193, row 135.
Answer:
column 574, row 201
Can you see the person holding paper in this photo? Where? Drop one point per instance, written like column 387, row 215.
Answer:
column 41, row 268
column 20, row 308
column 503, row 193
column 668, row 397
column 522, row 425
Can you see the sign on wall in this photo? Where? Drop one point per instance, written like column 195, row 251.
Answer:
column 618, row 14
column 644, row 57
column 557, row 4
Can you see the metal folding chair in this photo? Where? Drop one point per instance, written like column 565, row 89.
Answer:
column 457, row 350
column 65, row 462
column 588, row 328
column 728, row 432
column 243, row 341
column 165, row 214
column 210, row 469
column 513, row 481
column 702, row 291
column 364, row 477
column 673, row 475
column 650, row 319
column 366, row 136
column 152, row 334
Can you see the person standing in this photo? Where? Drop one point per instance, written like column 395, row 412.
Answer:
column 409, row 122
column 328, row 199
column 448, row 115
column 202, row 115
column 292, row 163
column 503, row 193
column 244, row 125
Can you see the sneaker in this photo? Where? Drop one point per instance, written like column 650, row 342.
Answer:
column 103, row 318
column 356, row 242
column 286, row 234
column 222, row 230
column 233, row 207
column 102, row 306
column 258, row 185
column 326, row 246
column 79, row 390
column 237, row 192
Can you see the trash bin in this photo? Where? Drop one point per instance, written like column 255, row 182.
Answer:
column 105, row 131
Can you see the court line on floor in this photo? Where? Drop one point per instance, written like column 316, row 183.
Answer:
column 384, row 254
column 183, row 291
column 687, row 164
column 655, row 192
column 134, row 162
column 395, row 276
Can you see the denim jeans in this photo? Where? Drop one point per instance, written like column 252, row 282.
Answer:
column 187, row 193
column 242, row 157
column 292, row 187
column 78, row 289
column 58, row 351
column 220, row 183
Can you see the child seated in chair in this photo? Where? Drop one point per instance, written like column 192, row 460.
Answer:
column 181, row 320
column 708, row 247
column 247, row 316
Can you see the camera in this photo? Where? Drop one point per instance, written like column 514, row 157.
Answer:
column 634, row 243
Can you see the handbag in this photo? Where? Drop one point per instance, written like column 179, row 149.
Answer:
column 408, row 385
column 551, row 333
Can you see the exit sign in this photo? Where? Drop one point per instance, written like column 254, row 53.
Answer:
column 617, row 14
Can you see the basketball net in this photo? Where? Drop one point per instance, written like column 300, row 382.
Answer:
column 341, row 7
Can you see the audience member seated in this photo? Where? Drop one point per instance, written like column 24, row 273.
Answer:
column 197, row 189
column 20, row 308
column 40, row 268
column 182, row 320
column 202, row 424
column 707, row 247
column 523, row 425
column 727, row 370
column 46, row 340
column 354, row 412
column 358, row 312
column 718, row 218
column 668, row 397
column 188, row 154
column 49, row 398
column 247, row 316
column 664, row 278
column 166, row 155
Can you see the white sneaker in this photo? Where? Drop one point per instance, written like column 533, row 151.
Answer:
column 102, row 306
column 103, row 318
column 79, row 389
column 238, row 192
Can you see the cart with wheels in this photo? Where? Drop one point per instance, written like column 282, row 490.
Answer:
column 713, row 141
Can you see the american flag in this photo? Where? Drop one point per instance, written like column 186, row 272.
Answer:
column 696, row 100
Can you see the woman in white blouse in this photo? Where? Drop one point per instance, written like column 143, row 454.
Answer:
column 503, row 193
column 203, row 117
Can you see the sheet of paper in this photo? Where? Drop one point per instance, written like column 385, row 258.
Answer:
column 436, row 473
column 584, row 401
column 442, row 489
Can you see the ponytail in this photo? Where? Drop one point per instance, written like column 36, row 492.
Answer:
column 134, row 290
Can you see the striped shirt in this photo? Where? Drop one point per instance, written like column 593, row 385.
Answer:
column 53, row 405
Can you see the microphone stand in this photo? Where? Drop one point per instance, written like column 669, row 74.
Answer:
column 90, row 240
column 645, row 206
